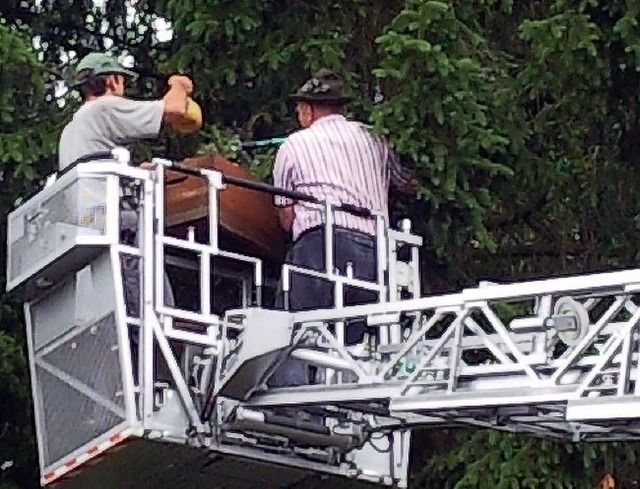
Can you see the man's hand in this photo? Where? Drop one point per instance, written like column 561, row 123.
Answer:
column 182, row 81
column 147, row 165
column 286, row 216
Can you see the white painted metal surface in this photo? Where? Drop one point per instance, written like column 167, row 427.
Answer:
column 556, row 357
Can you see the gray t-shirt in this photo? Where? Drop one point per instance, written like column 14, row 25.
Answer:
column 106, row 122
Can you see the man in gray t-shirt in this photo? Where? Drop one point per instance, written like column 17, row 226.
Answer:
column 107, row 119
column 106, row 122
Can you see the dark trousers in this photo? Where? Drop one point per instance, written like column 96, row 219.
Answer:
column 131, row 283
column 313, row 293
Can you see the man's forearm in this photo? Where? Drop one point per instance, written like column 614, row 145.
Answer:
column 286, row 216
column 175, row 103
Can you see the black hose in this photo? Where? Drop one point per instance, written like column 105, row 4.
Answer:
column 270, row 189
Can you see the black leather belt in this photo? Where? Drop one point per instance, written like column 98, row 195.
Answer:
column 336, row 228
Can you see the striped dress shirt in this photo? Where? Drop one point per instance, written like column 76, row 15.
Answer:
column 338, row 160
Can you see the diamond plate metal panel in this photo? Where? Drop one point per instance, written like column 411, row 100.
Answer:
column 80, row 388
column 70, row 418
column 91, row 357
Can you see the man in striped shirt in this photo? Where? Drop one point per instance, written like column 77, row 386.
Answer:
column 332, row 158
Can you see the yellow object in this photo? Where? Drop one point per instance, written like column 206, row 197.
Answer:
column 192, row 121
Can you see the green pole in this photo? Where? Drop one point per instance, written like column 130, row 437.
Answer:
column 262, row 142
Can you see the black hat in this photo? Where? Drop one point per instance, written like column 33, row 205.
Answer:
column 325, row 87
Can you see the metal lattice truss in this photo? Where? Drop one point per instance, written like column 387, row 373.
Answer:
column 557, row 357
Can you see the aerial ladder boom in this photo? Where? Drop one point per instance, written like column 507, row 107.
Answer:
column 161, row 397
